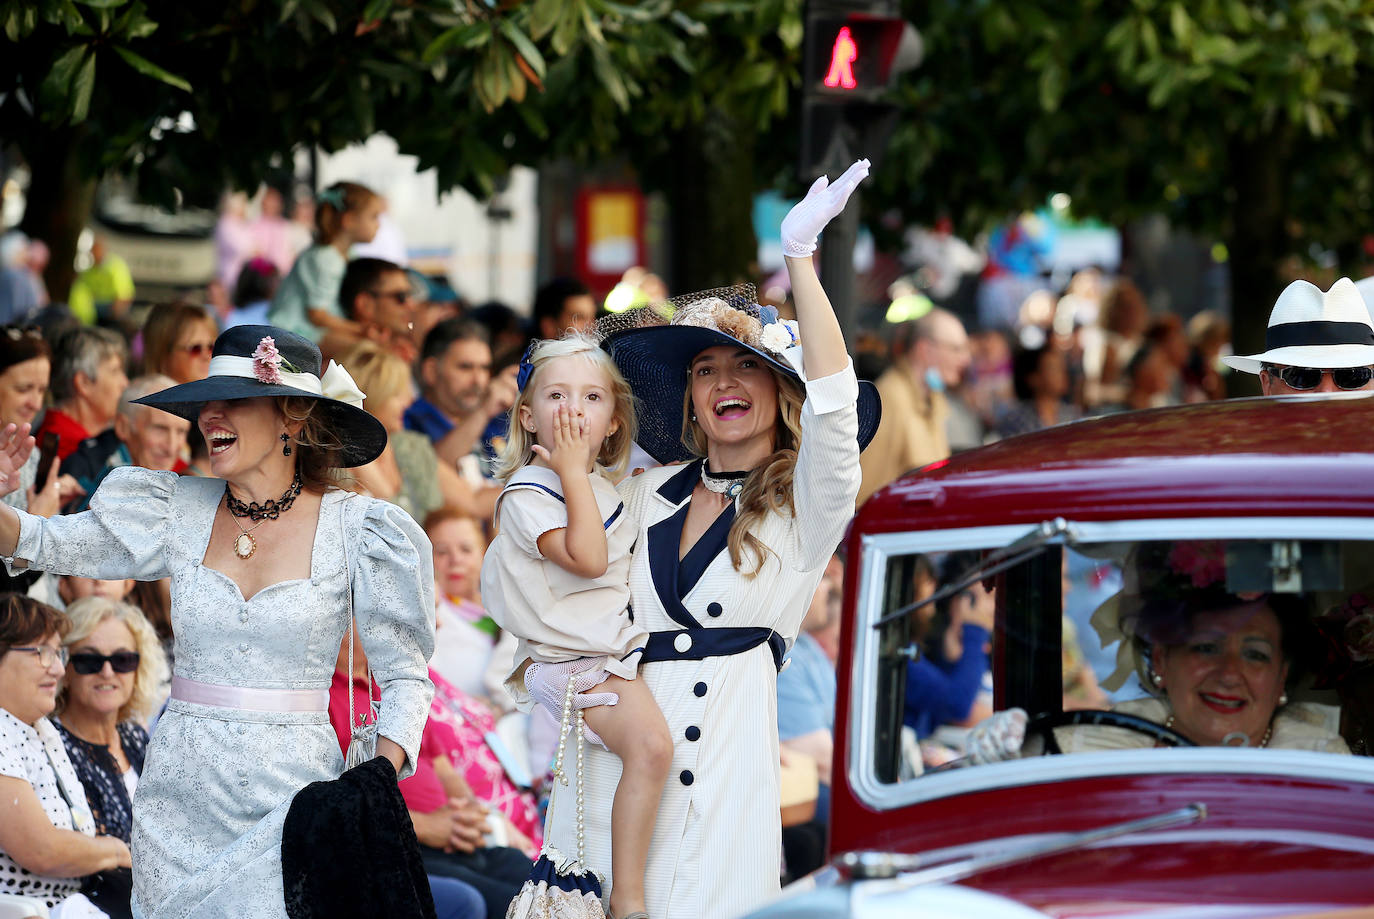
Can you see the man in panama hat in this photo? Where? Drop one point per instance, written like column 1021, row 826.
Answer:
column 1316, row 342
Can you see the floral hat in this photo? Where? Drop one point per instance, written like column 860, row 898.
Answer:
column 262, row 360
column 654, row 345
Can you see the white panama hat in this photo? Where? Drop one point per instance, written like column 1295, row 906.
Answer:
column 1308, row 328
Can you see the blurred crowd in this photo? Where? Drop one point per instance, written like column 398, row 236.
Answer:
column 440, row 375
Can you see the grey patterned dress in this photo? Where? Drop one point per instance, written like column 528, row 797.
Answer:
column 217, row 782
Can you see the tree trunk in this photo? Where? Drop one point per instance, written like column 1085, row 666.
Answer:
column 1258, row 244
column 59, row 203
column 711, row 203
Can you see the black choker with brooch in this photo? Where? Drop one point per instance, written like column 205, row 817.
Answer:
column 245, row 545
column 729, row 484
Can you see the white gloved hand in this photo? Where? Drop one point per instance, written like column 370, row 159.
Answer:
column 997, row 738
column 548, row 684
column 822, row 203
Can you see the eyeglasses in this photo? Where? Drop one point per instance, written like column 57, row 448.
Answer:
column 199, row 348
column 399, row 296
column 1309, row 378
column 88, row 662
column 47, row 654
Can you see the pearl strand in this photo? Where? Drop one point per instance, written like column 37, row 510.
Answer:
column 1264, row 741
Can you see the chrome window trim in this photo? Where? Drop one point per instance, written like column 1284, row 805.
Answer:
column 878, row 548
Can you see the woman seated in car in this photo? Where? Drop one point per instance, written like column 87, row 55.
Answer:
column 1221, row 667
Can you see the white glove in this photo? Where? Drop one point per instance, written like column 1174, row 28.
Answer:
column 822, row 203
column 998, row 738
column 548, row 684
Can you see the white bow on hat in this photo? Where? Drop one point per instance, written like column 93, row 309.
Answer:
column 337, row 383
column 1309, row 328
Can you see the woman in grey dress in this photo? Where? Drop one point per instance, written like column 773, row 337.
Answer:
column 267, row 561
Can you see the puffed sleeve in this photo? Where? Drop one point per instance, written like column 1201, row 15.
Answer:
column 826, row 481
column 393, row 602
column 527, row 514
column 122, row 535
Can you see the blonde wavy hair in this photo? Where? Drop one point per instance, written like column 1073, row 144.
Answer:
column 614, row 455
column 85, row 616
column 768, row 487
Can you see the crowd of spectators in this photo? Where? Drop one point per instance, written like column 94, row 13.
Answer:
column 84, row 665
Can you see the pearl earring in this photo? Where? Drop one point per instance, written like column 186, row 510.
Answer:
column 1156, row 679
column 1283, row 698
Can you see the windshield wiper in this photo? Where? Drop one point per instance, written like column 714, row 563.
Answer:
column 1011, row 555
column 915, row 870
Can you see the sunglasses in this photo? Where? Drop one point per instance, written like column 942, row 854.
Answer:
column 399, row 296
column 88, row 662
column 1308, row 378
column 199, row 348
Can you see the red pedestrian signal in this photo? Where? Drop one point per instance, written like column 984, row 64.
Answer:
column 842, row 58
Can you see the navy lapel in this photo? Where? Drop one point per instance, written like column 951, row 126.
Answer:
column 713, row 542
column 664, row 539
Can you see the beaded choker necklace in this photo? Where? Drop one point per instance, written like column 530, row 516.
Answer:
column 268, row 510
column 729, row 484
column 245, row 545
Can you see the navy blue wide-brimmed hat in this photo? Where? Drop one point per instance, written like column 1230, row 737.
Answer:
column 262, row 360
column 655, row 347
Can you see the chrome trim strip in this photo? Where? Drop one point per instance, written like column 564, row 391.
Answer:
column 878, row 548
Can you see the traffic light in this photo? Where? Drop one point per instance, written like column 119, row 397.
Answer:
column 852, row 53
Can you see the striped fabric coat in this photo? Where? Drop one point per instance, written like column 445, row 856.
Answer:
column 716, row 849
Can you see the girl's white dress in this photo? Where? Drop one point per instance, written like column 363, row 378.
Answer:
column 718, row 637
column 217, row 782
column 557, row 615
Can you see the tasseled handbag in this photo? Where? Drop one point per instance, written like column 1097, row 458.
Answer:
column 560, row 887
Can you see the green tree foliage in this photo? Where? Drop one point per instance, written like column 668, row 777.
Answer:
column 1247, row 120
column 193, row 97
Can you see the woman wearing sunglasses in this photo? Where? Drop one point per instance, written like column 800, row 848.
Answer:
column 178, row 339
column 48, row 837
column 115, row 666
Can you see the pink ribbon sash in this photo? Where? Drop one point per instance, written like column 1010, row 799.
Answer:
column 249, row 699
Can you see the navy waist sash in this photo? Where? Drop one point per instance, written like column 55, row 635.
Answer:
column 662, row 646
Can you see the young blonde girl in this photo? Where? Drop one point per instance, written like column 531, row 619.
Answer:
column 556, row 575
column 307, row 300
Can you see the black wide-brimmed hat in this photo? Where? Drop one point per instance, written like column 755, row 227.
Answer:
column 654, row 345
column 262, row 360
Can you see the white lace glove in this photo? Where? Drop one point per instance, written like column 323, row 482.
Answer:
column 822, row 203
column 998, row 738
column 548, row 683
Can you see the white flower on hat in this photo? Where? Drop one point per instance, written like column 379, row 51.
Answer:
column 776, row 337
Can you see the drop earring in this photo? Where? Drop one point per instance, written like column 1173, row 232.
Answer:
column 286, row 444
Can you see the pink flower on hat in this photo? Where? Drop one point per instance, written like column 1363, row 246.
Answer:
column 1203, row 562
column 267, row 362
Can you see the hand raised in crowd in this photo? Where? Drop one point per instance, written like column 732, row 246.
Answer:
column 15, row 446
column 501, row 391
column 572, row 448
column 47, row 500
column 821, row 205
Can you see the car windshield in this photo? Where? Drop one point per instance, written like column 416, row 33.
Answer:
column 1212, row 642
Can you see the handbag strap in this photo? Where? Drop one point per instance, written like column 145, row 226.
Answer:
column 353, row 722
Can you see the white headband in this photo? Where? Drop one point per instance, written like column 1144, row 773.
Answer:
column 336, row 383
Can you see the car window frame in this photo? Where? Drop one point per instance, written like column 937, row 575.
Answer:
column 877, row 549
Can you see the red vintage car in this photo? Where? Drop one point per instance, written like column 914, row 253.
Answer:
column 1154, row 580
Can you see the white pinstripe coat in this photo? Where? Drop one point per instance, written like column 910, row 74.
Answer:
column 717, row 841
